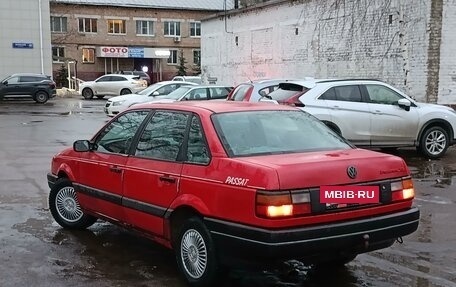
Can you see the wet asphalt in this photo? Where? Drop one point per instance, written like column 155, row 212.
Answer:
column 35, row 251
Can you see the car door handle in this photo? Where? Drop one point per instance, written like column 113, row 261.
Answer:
column 167, row 178
column 115, row 168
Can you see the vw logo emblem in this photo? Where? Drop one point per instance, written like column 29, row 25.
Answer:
column 352, row 172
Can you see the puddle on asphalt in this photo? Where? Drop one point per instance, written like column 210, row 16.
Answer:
column 441, row 175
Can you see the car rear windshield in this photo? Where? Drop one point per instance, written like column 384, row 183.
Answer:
column 286, row 91
column 274, row 132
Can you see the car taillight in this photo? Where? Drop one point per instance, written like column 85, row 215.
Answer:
column 282, row 204
column 402, row 189
column 293, row 101
column 52, row 85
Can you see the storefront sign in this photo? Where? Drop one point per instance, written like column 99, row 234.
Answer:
column 135, row 52
column 114, row 52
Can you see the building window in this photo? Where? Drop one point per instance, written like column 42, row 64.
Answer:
column 58, row 24
column 145, row 28
column 116, row 27
column 57, row 54
column 173, row 57
column 87, row 25
column 197, row 57
column 195, row 29
column 171, row 28
column 88, row 55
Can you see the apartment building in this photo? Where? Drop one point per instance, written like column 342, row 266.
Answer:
column 95, row 37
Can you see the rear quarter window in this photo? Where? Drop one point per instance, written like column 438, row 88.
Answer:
column 240, row 93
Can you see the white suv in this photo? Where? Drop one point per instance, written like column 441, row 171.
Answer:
column 112, row 85
column 371, row 113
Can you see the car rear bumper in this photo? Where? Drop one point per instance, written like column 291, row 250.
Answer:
column 316, row 242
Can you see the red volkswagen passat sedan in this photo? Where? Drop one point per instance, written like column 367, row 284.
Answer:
column 226, row 180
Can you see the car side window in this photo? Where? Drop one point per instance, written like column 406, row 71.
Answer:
column 104, row 79
column 219, row 93
column 29, row 79
column 197, row 151
column 167, row 89
column 13, row 80
column 329, row 95
column 240, row 92
column 118, row 79
column 118, row 135
column 348, row 93
column 379, row 94
column 163, row 136
column 198, row 94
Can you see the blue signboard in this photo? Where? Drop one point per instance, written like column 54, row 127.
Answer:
column 135, row 52
column 23, row 45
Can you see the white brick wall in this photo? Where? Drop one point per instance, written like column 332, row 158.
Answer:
column 347, row 41
column 447, row 76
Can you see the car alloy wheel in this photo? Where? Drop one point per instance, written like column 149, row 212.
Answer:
column 434, row 142
column 87, row 93
column 67, row 204
column 65, row 207
column 193, row 253
column 41, row 97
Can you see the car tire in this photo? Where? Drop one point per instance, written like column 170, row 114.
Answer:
column 65, row 208
column 87, row 93
column 434, row 142
column 125, row 92
column 195, row 254
column 41, row 97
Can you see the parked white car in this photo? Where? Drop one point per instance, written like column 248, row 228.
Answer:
column 191, row 93
column 371, row 113
column 112, row 85
column 118, row 104
column 193, row 79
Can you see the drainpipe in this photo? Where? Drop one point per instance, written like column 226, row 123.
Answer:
column 41, row 35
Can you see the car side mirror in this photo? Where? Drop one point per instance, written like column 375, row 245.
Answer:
column 404, row 104
column 5, row 83
column 82, row 146
column 155, row 94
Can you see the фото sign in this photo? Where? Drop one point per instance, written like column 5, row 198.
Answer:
column 114, row 52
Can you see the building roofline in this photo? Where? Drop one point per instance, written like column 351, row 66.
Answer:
column 81, row 3
column 234, row 12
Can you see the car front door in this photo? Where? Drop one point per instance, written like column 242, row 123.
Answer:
column 349, row 112
column 101, row 170
column 101, row 85
column 390, row 123
column 152, row 178
column 11, row 86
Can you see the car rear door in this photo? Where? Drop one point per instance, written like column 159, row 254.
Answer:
column 101, row 171
column 152, row 177
column 390, row 124
column 349, row 112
